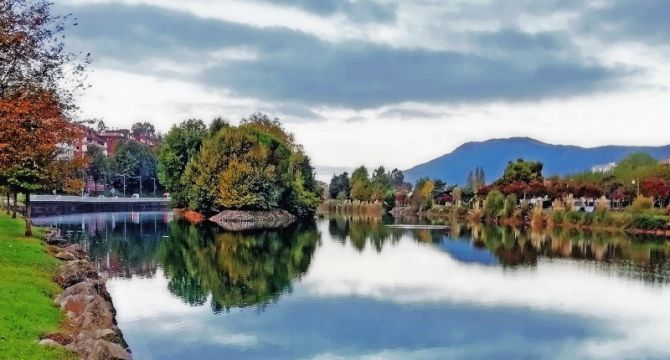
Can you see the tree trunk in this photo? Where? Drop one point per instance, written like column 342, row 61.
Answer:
column 29, row 225
column 15, row 208
column 9, row 204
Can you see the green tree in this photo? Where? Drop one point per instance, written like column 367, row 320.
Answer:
column 339, row 187
column 137, row 162
column 360, row 184
column 494, row 204
column 99, row 166
column 143, row 128
column 522, row 170
column 255, row 166
column 218, row 124
column 181, row 144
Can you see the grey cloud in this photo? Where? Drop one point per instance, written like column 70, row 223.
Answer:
column 303, row 71
column 637, row 20
column 363, row 11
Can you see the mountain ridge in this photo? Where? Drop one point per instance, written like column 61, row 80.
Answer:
column 494, row 154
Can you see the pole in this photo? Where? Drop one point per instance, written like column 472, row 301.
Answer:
column 140, row 194
column 154, row 186
column 124, row 185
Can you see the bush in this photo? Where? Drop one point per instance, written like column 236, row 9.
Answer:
column 574, row 217
column 558, row 217
column 493, row 205
column 644, row 221
column 642, row 203
column 602, row 217
column 509, row 206
column 538, row 218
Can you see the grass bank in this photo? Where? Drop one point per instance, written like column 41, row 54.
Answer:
column 26, row 292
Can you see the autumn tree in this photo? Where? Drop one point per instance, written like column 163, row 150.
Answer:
column 39, row 80
column 254, row 166
column 656, row 188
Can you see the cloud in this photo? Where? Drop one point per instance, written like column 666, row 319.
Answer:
column 631, row 20
column 364, row 11
column 287, row 66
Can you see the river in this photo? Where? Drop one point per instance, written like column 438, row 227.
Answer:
column 351, row 288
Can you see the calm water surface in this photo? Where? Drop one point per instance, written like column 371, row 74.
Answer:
column 343, row 288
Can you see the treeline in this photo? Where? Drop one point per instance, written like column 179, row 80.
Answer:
column 381, row 186
column 254, row 166
column 133, row 165
column 636, row 175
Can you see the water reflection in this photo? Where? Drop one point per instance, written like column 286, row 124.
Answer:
column 351, row 287
column 236, row 269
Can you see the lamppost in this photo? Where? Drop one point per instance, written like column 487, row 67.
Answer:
column 124, row 183
column 154, row 179
column 140, row 179
column 638, row 186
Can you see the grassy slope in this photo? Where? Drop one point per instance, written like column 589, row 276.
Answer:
column 26, row 290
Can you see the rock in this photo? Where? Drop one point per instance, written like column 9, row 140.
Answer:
column 97, row 315
column 75, row 306
column 49, row 342
column 111, row 335
column 53, row 237
column 76, row 250
column 62, row 255
column 105, row 350
column 74, row 272
column 233, row 220
column 59, row 338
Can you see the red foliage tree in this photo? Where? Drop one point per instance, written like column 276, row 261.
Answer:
column 655, row 187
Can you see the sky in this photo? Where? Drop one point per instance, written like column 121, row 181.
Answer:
column 384, row 82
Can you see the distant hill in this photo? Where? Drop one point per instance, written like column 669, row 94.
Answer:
column 493, row 156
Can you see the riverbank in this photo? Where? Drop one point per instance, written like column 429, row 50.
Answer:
column 28, row 312
column 637, row 222
column 37, row 275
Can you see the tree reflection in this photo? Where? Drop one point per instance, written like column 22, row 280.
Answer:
column 237, row 269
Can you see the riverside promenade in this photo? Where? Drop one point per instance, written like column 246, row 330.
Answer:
column 44, row 205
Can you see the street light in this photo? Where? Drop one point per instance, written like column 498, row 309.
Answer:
column 140, row 179
column 638, row 186
column 154, row 179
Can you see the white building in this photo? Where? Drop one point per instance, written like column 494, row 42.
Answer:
column 603, row 168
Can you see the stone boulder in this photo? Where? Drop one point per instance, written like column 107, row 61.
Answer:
column 74, row 272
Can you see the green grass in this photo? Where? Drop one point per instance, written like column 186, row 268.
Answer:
column 26, row 292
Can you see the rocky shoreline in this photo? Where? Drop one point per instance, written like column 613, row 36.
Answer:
column 91, row 330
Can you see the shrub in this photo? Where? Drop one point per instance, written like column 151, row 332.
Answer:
column 644, row 221
column 558, row 217
column 493, row 205
column 574, row 217
column 602, row 217
column 642, row 203
column 538, row 218
column 509, row 206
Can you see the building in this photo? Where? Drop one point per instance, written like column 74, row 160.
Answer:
column 603, row 168
column 88, row 139
column 113, row 137
column 664, row 162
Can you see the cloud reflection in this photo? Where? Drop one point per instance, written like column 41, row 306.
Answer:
column 411, row 272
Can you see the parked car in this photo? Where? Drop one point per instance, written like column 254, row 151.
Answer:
column 101, row 196
column 135, row 196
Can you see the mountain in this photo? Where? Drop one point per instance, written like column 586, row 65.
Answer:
column 493, row 156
